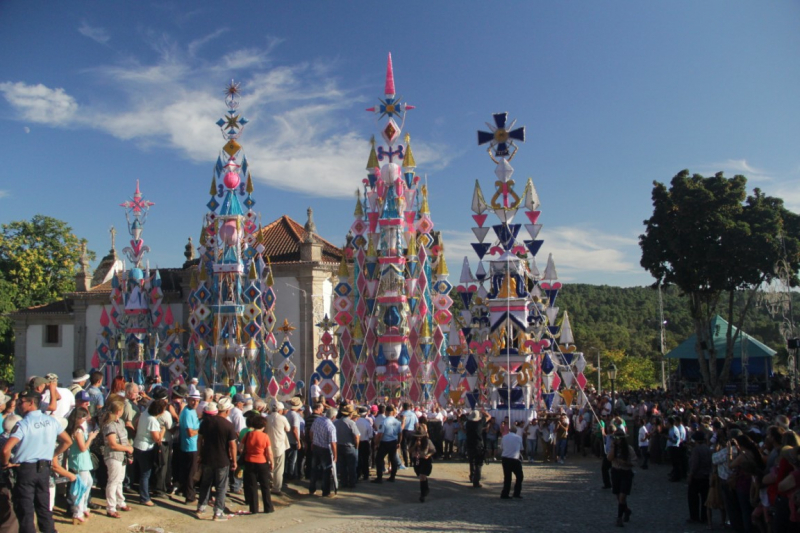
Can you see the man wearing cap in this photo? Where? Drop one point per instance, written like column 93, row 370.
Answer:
column 347, row 439
column 39, row 384
column 188, row 424
column 193, row 386
column 277, row 431
column 236, row 417
column 35, row 440
column 365, row 435
column 217, row 453
column 295, row 442
column 324, row 450
column 387, row 441
column 79, row 379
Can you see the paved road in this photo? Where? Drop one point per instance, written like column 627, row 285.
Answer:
column 557, row 498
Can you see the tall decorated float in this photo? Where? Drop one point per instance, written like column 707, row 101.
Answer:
column 392, row 308
column 232, row 301
column 511, row 347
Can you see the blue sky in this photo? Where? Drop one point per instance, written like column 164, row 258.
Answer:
column 97, row 95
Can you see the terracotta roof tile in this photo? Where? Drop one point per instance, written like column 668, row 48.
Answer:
column 282, row 239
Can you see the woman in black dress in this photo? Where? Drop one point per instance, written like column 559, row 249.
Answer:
column 422, row 452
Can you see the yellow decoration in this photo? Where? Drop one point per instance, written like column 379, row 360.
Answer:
column 252, row 273
column 455, row 396
column 371, row 252
column 423, row 208
column 344, row 272
column 372, row 162
column 249, row 186
column 509, row 288
column 203, row 274
column 568, row 395
column 357, row 332
column 408, row 159
column 412, row 248
column 510, row 190
column 359, row 212
column 213, row 189
column 193, row 280
column 231, row 148
column 522, row 378
column 425, row 330
column 441, row 267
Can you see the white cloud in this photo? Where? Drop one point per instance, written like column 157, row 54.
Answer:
column 576, row 250
column 4, row 194
column 297, row 138
column 732, row 167
column 96, row 34
column 41, row 104
column 26, row 129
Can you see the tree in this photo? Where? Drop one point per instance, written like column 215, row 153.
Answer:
column 712, row 241
column 632, row 372
column 37, row 266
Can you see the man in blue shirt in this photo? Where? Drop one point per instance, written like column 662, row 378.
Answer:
column 409, row 421
column 387, row 442
column 36, row 435
column 188, row 426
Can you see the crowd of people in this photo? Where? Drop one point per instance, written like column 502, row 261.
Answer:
column 195, row 446
column 737, row 455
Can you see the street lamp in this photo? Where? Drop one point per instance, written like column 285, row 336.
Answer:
column 612, row 376
column 120, row 350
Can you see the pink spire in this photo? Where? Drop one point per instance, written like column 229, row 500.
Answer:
column 389, row 78
column 137, row 188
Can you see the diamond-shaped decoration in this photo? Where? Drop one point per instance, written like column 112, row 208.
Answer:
column 286, row 349
column 212, row 204
column 443, row 316
column 425, row 240
column 424, row 225
column 343, row 318
column 287, row 369
column 328, row 387
column 391, row 131
column 581, row 380
column 231, row 148
column 327, row 369
column 269, row 298
column 249, row 202
column 252, row 329
column 273, row 388
column 343, row 289
column 443, row 286
column 556, row 381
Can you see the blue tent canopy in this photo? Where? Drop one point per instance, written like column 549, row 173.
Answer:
column 758, row 354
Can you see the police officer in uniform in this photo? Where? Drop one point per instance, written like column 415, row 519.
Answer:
column 35, row 438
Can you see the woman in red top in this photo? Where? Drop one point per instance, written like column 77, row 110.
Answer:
column 257, row 455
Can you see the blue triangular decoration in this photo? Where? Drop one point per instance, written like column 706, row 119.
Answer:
column 481, row 248
column 466, row 297
column 548, row 399
column 370, row 270
column 454, row 361
column 547, row 364
column 426, row 351
column 370, row 304
column 381, row 359
column 553, row 330
column 404, row 359
column 552, row 294
column 412, row 304
column 231, row 205
column 471, row 366
column 357, row 350
column 533, row 246
column 568, row 357
column 471, row 399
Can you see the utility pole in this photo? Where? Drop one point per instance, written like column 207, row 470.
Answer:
column 662, row 323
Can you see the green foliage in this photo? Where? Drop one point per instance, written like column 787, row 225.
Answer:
column 713, row 242
column 37, row 262
column 632, row 372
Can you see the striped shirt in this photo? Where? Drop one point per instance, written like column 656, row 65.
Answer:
column 323, row 432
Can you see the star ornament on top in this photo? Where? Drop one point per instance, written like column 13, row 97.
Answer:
column 501, row 138
column 137, row 205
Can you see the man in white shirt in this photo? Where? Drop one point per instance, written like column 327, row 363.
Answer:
column 644, row 445
column 512, row 446
column 278, row 429
column 65, row 403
